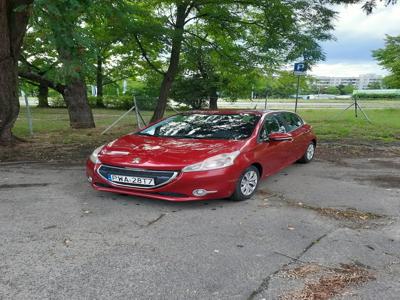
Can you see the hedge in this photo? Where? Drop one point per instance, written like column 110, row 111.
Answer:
column 377, row 96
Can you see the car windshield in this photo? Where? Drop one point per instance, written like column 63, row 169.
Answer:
column 205, row 126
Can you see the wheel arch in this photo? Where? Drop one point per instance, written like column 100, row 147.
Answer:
column 259, row 167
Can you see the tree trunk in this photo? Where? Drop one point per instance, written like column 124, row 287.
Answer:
column 9, row 99
column 70, row 53
column 213, row 98
column 170, row 75
column 99, row 81
column 12, row 31
column 43, row 95
column 75, row 96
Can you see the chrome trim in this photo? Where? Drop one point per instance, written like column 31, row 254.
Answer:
column 174, row 175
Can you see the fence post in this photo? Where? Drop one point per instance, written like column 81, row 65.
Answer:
column 28, row 113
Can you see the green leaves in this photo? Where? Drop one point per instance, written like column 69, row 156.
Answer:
column 389, row 58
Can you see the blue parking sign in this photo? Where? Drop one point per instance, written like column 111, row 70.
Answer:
column 300, row 68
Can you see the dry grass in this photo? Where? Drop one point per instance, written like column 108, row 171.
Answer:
column 348, row 214
column 328, row 286
column 302, row 271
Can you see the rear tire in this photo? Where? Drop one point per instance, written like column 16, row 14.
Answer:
column 309, row 154
column 247, row 184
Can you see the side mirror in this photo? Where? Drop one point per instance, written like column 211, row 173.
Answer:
column 279, row 136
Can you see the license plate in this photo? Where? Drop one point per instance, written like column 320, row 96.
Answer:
column 131, row 180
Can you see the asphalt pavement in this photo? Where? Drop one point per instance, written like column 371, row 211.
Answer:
column 59, row 239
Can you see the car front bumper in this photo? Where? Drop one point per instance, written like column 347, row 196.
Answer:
column 218, row 183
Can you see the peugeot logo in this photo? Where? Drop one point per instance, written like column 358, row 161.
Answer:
column 136, row 160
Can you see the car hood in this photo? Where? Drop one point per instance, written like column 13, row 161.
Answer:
column 163, row 153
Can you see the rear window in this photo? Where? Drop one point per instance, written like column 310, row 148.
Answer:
column 205, row 126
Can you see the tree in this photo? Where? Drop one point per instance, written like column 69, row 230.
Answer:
column 345, row 89
column 368, row 5
column 14, row 17
column 283, row 84
column 270, row 31
column 374, row 86
column 116, row 52
column 389, row 58
column 332, row 90
column 38, row 63
column 61, row 26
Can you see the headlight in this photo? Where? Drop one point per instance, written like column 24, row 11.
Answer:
column 216, row 162
column 94, row 156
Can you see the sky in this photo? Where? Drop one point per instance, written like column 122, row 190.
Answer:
column 356, row 36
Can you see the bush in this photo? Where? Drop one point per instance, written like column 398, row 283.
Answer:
column 126, row 102
column 57, row 102
column 92, row 101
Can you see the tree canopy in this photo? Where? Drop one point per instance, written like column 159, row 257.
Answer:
column 389, row 58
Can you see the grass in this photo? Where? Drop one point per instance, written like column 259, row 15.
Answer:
column 53, row 139
column 332, row 124
column 322, row 100
column 52, row 125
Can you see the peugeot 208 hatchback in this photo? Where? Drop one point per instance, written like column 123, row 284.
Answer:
column 202, row 155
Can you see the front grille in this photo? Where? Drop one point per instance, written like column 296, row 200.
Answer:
column 160, row 177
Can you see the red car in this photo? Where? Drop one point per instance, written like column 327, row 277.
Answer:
column 202, row 155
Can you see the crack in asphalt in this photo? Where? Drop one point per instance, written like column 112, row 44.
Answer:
column 155, row 220
column 265, row 282
column 149, row 223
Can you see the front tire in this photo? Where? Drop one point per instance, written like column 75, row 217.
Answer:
column 247, row 184
column 309, row 154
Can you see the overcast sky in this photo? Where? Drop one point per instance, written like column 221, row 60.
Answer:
column 356, row 36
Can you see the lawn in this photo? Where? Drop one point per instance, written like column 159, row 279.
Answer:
column 52, row 125
column 332, row 124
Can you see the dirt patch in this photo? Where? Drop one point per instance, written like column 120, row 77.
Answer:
column 46, row 152
column 357, row 218
column 338, row 151
column 385, row 181
column 348, row 214
column 332, row 284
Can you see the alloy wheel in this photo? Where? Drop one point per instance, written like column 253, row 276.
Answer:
column 249, row 182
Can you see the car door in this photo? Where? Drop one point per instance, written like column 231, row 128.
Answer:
column 300, row 134
column 293, row 124
column 270, row 154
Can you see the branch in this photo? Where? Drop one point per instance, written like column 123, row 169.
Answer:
column 41, row 80
column 144, row 54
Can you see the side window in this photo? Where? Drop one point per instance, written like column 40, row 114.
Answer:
column 271, row 125
column 290, row 121
column 296, row 120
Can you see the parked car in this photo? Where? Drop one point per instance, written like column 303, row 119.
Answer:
column 202, row 155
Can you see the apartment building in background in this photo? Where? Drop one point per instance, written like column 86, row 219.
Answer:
column 361, row 82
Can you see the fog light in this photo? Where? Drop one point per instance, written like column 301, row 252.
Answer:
column 89, row 179
column 199, row 193
column 202, row 192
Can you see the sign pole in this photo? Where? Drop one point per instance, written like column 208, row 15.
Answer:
column 28, row 114
column 297, row 92
column 300, row 69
